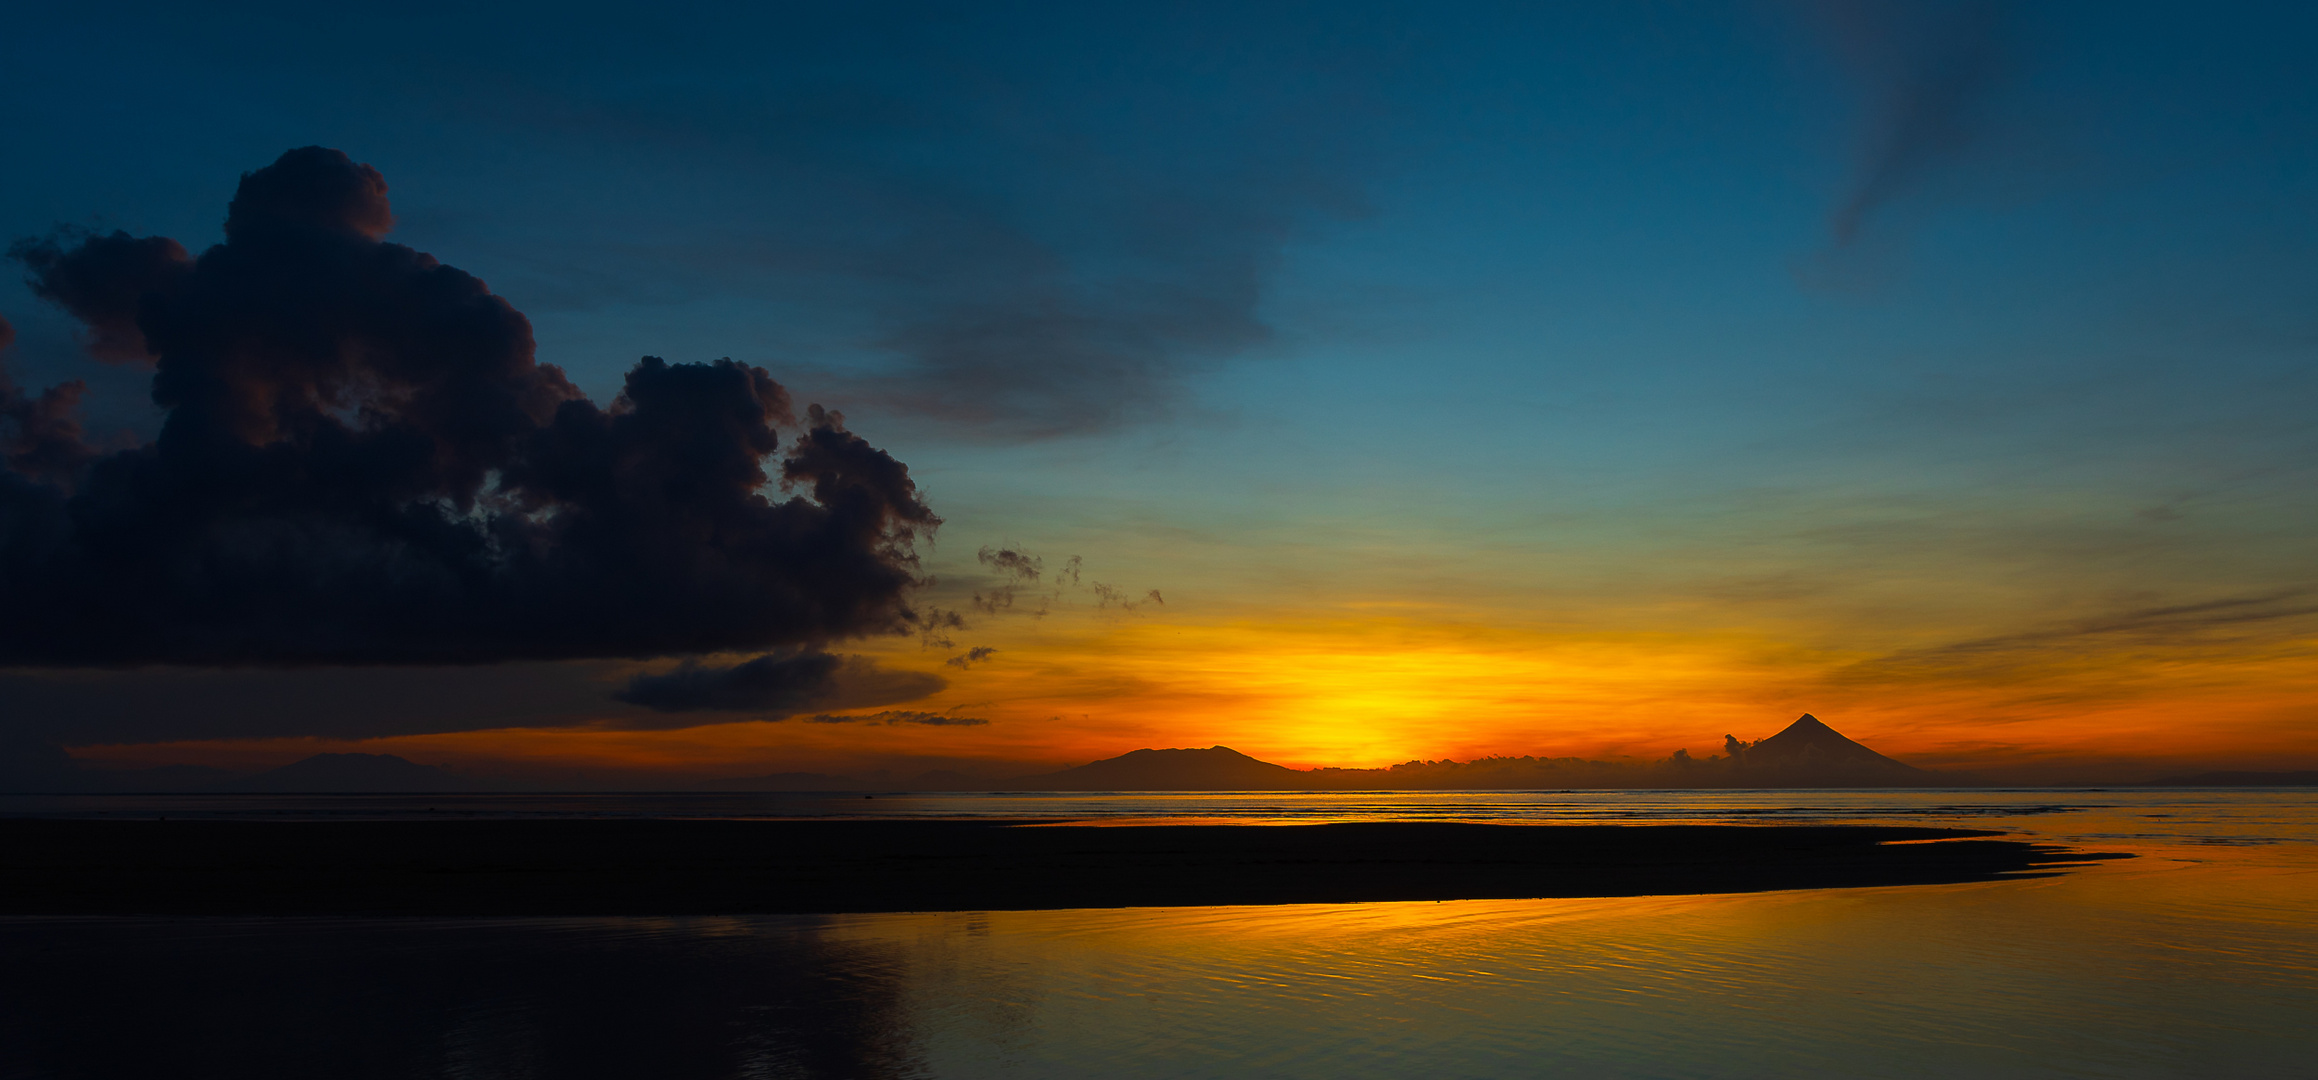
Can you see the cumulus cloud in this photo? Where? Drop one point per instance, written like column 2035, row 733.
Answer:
column 40, row 434
column 105, row 281
column 363, row 463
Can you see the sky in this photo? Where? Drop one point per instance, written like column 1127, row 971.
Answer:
column 1346, row 384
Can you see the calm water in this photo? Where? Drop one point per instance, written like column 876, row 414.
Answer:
column 2198, row 959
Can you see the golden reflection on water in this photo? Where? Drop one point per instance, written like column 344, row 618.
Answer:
column 2195, row 959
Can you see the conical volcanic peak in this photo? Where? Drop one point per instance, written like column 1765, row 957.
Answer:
column 1808, row 722
column 1808, row 743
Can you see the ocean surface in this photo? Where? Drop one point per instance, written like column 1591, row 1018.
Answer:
column 2198, row 958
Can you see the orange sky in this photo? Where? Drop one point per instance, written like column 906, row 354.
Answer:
column 1498, row 385
column 1375, row 684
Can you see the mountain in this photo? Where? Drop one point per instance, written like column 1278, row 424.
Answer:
column 1809, row 753
column 1806, row 754
column 1217, row 768
column 348, row 773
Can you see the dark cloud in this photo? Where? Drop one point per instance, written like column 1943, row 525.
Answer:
column 1020, row 590
column 2102, row 645
column 81, row 707
column 2173, row 624
column 1020, row 565
column 999, row 600
column 2179, row 622
column 362, row 463
column 1023, row 224
column 1109, row 596
column 164, row 704
column 1060, row 273
column 1053, row 357
column 973, row 656
column 40, row 435
column 770, row 687
column 1929, row 69
column 107, row 281
column 1017, row 571
column 934, row 625
column 774, row 682
column 900, row 716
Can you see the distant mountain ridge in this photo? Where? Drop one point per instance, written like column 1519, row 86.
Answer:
column 1807, row 753
column 1217, row 768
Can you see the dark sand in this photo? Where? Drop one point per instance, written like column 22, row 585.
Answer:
column 597, row 867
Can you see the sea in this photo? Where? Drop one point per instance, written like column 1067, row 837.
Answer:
column 2197, row 958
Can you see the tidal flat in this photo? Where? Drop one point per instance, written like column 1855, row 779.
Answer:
column 2197, row 958
column 692, row 867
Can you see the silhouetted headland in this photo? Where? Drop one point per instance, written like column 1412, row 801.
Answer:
column 676, row 867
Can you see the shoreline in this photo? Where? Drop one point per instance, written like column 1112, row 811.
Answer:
column 695, row 867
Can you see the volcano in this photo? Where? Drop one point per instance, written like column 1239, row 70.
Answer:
column 1809, row 751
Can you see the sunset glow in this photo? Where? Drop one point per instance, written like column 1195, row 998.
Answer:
column 1499, row 414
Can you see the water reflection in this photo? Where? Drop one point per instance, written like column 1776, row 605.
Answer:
column 2156, row 969
column 2198, row 959
column 1107, row 807
column 308, row 998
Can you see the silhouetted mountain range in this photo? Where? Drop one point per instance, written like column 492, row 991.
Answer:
column 1807, row 753
column 1217, row 768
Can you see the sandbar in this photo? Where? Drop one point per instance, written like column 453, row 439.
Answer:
column 696, row 867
